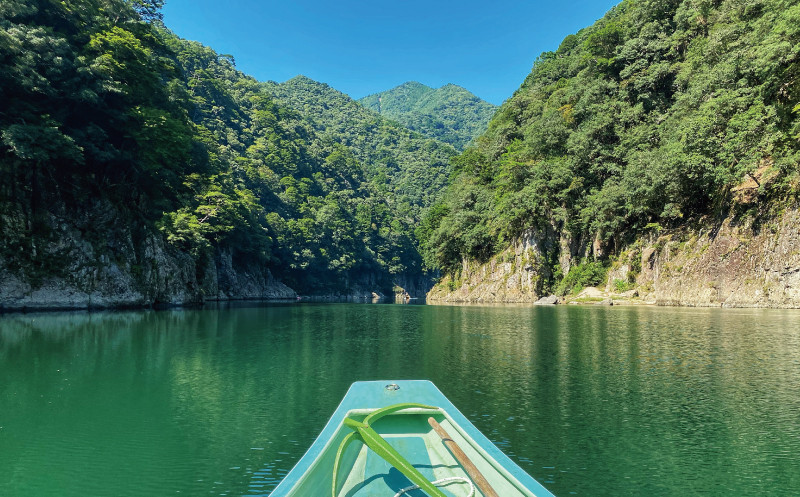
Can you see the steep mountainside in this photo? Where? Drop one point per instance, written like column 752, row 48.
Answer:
column 450, row 114
column 410, row 169
column 138, row 168
column 661, row 116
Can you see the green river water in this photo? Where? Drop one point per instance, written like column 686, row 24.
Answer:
column 589, row 400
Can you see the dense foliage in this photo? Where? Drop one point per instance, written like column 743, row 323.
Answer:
column 410, row 169
column 303, row 201
column 107, row 115
column 655, row 115
column 89, row 111
column 450, row 114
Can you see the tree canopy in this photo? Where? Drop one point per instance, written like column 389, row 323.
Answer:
column 652, row 116
column 105, row 105
column 449, row 114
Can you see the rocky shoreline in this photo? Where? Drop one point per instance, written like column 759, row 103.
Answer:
column 737, row 262
column 130, row 268
column 58, row 294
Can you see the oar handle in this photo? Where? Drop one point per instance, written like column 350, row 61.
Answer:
column 462, row 458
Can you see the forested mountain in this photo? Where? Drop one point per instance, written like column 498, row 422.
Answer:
column 324, row 222
column 138, row 164
column 410, row 169
column 450, row 114
column 661, row 114
column 116, row 134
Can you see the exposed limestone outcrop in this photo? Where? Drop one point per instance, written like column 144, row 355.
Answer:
column 738, row 262
column 124, row 270
column 515, row 275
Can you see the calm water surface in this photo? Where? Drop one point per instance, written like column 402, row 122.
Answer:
column 223, row 401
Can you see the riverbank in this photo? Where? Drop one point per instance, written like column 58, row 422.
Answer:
column 737, row 261
column 58, row 294
column 130, row 269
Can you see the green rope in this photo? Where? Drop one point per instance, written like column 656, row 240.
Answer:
column 364, row 433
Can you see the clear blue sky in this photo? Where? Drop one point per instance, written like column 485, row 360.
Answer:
column 364, row 47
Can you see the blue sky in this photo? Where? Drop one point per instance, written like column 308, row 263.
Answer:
column 364, row 47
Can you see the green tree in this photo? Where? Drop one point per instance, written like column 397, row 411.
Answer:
column 651, row 115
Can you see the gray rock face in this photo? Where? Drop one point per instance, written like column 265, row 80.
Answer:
column 550, row 300
column 735, row 263
column 252, row 282
column 739, row 263
column 124, row 272
column 514, row 275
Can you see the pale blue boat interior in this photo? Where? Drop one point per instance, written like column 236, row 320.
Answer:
column 365, row 474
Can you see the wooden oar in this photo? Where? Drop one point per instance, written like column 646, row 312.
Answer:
column 462, row 458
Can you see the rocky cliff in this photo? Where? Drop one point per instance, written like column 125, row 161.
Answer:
column 517, row 274
column 737, row 261
column 94, row 260
column 124, row 269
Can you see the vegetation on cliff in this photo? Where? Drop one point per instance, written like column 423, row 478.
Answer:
column 104, row 106
column 450, row 114
column 659, row 113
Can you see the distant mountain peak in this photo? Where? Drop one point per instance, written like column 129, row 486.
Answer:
column 450, row 113
column 413, row 83
column 303, row 79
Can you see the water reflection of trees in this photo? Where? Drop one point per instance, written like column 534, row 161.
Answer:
column 549, row 382
column 595, row 392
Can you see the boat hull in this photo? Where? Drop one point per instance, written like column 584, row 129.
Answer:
column 363, row 473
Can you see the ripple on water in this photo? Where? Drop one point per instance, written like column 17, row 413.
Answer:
column 590, row 401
